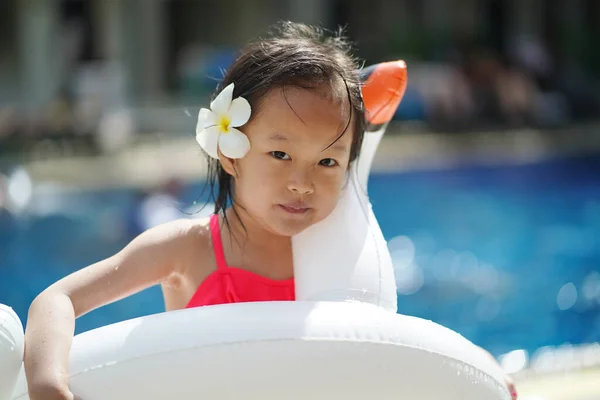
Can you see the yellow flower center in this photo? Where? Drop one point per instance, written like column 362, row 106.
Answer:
column 223, row 123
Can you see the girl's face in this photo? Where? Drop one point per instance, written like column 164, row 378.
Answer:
column 292, row 176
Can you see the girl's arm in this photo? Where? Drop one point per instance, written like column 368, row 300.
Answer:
column 151, row 258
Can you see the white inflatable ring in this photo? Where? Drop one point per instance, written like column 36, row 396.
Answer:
column 341, row 340
column 279, row 350
column 11, row 350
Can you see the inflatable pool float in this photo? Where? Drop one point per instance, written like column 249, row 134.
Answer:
column 341, row 339
column 12, row 345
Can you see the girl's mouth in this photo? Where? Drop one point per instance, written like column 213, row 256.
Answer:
column 294, row 208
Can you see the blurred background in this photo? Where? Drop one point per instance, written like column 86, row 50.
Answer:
column 487, row 185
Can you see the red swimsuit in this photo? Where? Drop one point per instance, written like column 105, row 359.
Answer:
column 235, row 285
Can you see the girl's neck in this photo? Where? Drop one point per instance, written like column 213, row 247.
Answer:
column 247, row 231
column 254, row 248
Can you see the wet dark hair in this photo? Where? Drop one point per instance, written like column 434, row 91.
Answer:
column 293, row 55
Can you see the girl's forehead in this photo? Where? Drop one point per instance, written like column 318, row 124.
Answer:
column 296, row 110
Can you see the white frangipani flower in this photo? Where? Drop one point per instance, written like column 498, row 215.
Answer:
column 216, row 128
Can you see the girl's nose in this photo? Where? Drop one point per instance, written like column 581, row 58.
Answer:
column 301, row 183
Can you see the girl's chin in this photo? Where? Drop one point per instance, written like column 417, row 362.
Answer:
column 290, row 227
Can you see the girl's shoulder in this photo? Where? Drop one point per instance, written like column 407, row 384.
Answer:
column 184, row 236
column 189, row 241
column 188, row 245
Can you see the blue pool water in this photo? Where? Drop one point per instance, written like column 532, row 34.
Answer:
column 507, row 256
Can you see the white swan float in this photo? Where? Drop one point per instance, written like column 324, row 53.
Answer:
column 341, row 339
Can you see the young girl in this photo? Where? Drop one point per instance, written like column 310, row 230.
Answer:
column 280, row 135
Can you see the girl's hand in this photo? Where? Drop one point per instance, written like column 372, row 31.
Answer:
column 50, row 392
column 508, row 380
column 510, row 384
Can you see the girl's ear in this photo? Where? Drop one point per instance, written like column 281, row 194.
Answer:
column 228, row 165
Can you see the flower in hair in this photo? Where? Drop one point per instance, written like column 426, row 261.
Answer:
column 216, row 128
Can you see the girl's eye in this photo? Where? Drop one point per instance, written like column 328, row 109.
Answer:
column 328, row 162
column 280, row 155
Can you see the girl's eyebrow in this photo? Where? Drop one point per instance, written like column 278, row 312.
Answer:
column 339, row 148
column 279, row 137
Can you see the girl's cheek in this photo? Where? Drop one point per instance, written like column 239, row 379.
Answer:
column 332, row 180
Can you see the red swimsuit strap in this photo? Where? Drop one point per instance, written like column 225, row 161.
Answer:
column 215, row 231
